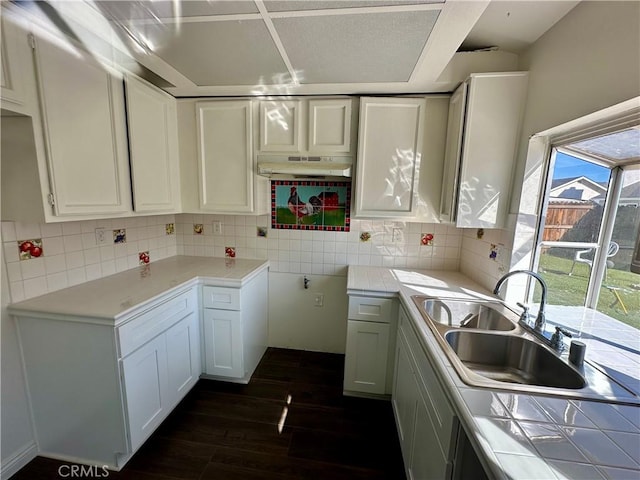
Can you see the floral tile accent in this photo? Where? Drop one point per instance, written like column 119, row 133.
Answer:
column 30, row 248
column 170, row 228
column 198, row 228
column 365, row 236
column 426, row 239
column 120, row 236
column 261, row 232
column 230, row 252
column 143, row 258
column 493, row 252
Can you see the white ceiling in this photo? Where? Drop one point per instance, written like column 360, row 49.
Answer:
column 241, row 47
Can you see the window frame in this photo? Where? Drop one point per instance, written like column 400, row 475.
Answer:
column 605, row 230
column 534, row 182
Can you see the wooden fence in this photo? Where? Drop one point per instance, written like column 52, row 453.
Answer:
column 561, row 218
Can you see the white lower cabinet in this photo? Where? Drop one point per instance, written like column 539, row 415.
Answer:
column 158, row 375
column 427, row 426
column 223, row 343
column 367, row 344
column 98, row 392
column 183, row 357
column 146, row 384
column 370, row 344
column 235, row 328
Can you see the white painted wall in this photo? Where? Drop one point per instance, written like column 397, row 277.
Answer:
column 586, row 62
column 294, row 321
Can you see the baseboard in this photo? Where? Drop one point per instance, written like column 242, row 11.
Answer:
column 18, row 460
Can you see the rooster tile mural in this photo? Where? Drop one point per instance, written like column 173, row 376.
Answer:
column 310, row 205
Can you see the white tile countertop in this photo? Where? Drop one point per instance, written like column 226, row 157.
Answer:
column 527, row 436
column 113, row 297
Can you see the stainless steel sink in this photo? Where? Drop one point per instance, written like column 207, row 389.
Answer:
column 487, row 347
column 512, row 359
column 484, row 315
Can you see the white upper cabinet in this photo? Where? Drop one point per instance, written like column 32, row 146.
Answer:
column 153, row 148
column 316, row 126
column 85, row 133
column 330, row 125
column 11, row 73
column 227, row 175
column 280, row 126
column 390, row 143
column 481, row 149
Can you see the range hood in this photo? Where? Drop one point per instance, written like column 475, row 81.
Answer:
column 280, row 166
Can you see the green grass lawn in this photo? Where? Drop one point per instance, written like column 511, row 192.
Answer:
column 571, row 290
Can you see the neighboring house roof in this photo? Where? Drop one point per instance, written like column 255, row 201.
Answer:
column 576, row 188
column 629, row 195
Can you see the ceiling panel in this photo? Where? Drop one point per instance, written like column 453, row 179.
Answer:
column 296, row 5
column 144, row 10
column 355, row 48
column 222, row 53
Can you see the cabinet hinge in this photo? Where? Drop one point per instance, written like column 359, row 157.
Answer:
column 32, row 41
column 51, row 199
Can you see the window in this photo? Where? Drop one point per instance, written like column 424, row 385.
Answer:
column 589, row 222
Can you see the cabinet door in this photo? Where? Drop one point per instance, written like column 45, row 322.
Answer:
column 492, row 124
column 225, row 156
column 183, row 357
column 404, row 397
column 146, row 387
column 85, row 133
column 11, row 82
column 153, row 147
column 223, row 343
column 453, row 151
column 330, row 126
column 389, row 150
column 366, row 357
column 280, row 126
column 426, row 459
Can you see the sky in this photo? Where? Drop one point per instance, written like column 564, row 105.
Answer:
column 567, row 167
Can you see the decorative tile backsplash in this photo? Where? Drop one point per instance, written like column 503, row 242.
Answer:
column 59, row 255
column 70, row 255
column 310, row 205
column 389, row 243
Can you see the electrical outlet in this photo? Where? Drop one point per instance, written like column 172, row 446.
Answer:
column 318, row 300
column 102, row 236
column 217, row 228
column 396, row 235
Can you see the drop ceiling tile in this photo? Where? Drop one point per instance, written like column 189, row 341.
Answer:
column 138, row 10
column 222, row 53
column 297, row 5
column 355, row 48
column 207, row 7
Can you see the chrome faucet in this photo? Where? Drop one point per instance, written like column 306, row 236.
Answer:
column 540, row 319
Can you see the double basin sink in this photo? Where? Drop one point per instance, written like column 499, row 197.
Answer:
column 488, row 347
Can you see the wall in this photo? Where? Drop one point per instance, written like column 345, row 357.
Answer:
column 587, row 61
column 294, row 321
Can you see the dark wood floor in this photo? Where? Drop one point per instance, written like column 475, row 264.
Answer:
column 290, row 422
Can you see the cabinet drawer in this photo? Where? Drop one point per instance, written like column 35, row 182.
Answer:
column 224, row 298
column 381, row 310
column 154, row 321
